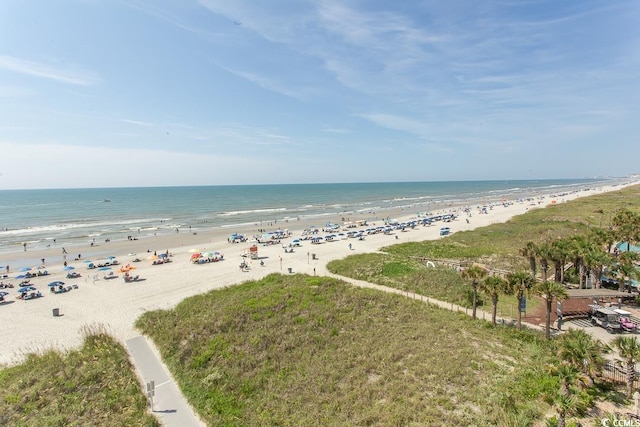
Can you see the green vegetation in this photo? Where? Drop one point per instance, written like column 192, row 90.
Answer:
column 512, row 246
column 92, row 386
column 300, row 350
column 498, row 245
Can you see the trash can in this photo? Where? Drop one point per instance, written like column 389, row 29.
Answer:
column 56, row 312
column 290, row 270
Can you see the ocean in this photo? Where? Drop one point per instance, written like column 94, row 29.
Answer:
column 78, row 216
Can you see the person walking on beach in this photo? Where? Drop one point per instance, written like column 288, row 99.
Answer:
column 24, row 245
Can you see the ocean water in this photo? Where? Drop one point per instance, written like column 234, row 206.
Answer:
column 77, row 216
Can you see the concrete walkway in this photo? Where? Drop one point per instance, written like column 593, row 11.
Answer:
column 480, row 314
column 169, row 404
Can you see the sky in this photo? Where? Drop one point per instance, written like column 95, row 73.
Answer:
column 218, row 92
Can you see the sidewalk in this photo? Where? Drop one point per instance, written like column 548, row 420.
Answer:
column 169, row 405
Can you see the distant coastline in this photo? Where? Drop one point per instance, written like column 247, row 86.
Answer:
column 74, row 218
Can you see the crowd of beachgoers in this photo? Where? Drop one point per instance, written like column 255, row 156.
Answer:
column 114, row 282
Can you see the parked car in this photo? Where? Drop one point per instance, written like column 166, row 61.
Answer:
column 606, row 318
column 624, row 317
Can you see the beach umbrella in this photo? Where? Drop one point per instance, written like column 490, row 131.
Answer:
column 87, row 261
column 193, row 251
column 3, row 293
column 26, row 269
column 56, row 283
column 111, row 257
column 68, row 267
column 26, row 289
column 104, row 268
column 163, row 255
column 21, row 276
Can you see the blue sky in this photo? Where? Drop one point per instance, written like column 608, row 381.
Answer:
column 183, row 92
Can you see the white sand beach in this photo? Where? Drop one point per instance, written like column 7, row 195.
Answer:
column 29, row 326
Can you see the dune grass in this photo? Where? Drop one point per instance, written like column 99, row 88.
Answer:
column 93, row 386
column 300, row 350
column 497, row 246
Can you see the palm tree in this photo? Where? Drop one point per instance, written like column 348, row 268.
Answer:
column 544, row 254
column 560, row 252
column 475, row 273
column 550, row 290
column 626, row 225
column 629, row 350
column 563, row 399
column 596, row 259
column 579, row 245
column 583, row 352
column 493, row 286
column 520, row 284
column 530, row 251
column 602, row 237
column 625, row 270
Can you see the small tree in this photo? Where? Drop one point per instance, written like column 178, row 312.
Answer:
column 629, row 350
column 550, row 290
column 520, row 284
column 493, row 286
column 475, row 274
column 583, row 352
column 530, row 251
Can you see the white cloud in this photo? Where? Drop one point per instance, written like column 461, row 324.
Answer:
column 36, row 69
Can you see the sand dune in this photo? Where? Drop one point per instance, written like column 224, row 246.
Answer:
column 29, row 326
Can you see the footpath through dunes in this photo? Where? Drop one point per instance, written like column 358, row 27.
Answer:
column 116, row 305
column 304, row 350
column 480, row 313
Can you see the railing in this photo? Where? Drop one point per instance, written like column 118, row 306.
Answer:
column 614, row 372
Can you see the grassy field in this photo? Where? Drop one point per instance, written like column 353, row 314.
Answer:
column 497, row 246
column 300, row 350
column 94, row 386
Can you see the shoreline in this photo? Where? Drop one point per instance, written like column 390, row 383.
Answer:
column 116, row 305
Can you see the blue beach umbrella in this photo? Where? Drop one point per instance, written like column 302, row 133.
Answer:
column 68, row 267
column 3, row 294
column 26, row 289
column 104, row 268
column 21, row 276
column 56, row 283
column 25, row 269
